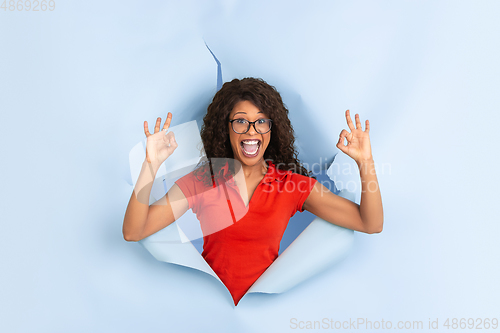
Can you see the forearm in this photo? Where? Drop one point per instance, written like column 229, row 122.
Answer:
column 370, row 207
column 138, row 207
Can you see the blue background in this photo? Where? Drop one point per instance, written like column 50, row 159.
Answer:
column 76, row 84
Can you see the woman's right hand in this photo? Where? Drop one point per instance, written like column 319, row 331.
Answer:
column 161, row 144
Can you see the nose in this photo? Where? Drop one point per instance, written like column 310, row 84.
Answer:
column 252, row 130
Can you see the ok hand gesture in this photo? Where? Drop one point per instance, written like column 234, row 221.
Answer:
column 358, row 141
column 160, row 145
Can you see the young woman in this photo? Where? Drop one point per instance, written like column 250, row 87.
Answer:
column 251, row 185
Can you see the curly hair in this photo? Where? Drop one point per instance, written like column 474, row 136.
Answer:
column 215, row 136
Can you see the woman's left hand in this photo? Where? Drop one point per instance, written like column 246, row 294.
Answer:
column 358, row 141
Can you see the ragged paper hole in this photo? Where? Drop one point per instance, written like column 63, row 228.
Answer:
column 316, row 247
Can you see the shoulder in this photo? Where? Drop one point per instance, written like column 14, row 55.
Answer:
column 186, row 179
column 298, row 177
column 191, row 182
column 300, row 182
column 303, row 183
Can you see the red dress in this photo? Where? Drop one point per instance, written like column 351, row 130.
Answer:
column 241, row 242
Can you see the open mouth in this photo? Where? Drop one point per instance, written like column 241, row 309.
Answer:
column 250, row 147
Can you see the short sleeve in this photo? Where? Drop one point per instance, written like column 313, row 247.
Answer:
column 304, row 186
column 188, row 187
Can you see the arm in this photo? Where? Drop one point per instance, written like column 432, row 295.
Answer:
column 142, row 220
column 366, row 217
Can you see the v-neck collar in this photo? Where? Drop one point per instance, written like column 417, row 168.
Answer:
column 272, row 174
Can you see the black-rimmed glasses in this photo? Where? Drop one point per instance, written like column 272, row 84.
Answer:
column 241, row 126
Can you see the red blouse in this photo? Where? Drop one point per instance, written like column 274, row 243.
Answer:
column 241, row 242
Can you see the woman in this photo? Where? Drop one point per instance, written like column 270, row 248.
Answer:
column 251, row 185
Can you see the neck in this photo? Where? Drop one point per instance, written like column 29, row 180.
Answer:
column 257, row 170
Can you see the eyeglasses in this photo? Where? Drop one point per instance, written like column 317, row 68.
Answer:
column 241, row 126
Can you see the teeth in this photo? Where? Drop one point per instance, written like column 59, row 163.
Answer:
column 250, row 142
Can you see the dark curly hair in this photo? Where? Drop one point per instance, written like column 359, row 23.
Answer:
column 215, row 136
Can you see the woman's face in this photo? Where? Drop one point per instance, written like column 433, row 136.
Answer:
column 248, row 148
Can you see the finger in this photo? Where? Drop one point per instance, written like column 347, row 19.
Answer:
column 340, row 144
column 167, row 122
column 172, row 142
column 345, row 134
column 358, row 122
column 157, row 125
column 367, row 126
column 169, row 137
column 146, row 130
column 349, row 121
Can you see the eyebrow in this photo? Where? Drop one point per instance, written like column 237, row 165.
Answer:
column 245, row 112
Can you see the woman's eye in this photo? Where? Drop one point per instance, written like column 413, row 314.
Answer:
column 261, row 121
column 241, row 121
